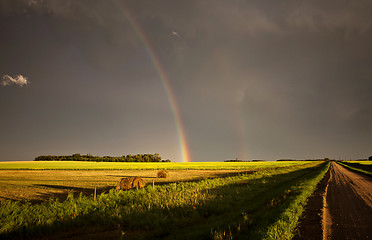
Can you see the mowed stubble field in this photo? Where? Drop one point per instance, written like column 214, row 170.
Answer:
column 37, row 185
column 260, row 200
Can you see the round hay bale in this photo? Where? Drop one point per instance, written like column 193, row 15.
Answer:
column 130, row 182
column 162, row 174
column 138, row 183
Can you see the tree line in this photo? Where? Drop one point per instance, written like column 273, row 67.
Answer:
column 88, row 157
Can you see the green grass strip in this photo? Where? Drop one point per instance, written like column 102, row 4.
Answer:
column 284, row 227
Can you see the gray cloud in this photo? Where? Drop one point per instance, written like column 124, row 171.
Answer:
column 279, row 79
column 94, row 11
column 18, row 80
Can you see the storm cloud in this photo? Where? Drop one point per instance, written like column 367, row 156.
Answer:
column 251, row 79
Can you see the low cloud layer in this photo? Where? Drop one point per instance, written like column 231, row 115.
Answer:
column 18, row 80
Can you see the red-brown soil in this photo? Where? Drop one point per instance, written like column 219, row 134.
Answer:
column 340, row 208
column 310, row 226
column 349, row 205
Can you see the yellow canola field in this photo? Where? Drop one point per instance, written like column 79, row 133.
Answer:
column 74, row 165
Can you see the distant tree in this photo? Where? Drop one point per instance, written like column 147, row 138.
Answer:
column 138, row 158
column 146, row 158
column 88, row 157
column 156, row 157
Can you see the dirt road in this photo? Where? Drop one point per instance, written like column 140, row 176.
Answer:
column 348, row 210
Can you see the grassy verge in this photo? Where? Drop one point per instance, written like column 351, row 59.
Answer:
column 363, row 168
column 278, row 217
column 284, row 227
column 265, row 204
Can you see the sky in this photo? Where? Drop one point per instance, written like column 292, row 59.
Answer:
column 191, row 80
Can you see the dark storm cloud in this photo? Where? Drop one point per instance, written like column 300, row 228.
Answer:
column 300, row 72
column 281, row 79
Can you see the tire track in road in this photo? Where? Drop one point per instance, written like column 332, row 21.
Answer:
column 349, row 204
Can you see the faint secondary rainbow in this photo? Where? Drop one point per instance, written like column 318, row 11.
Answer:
column 164, row 80
column 225, row 69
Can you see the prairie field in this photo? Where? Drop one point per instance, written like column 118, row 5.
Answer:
column 259, row 200
column 36, row 185
column 74, row 165
column 40, row 180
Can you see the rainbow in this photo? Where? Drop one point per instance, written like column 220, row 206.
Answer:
column 164, row 80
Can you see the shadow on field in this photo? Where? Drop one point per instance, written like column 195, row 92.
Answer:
column 6, row 198
column 228, row 174
column 90, row 191
column 243, row 209
column 61, row 187
column 259, row 204
column 75, row 191
column 212, row 176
